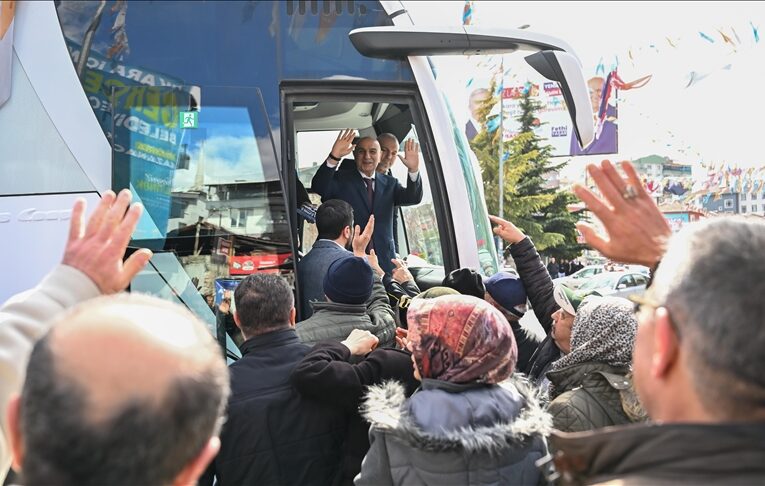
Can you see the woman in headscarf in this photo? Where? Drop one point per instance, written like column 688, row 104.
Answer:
column 470, row 422
column 590, row 387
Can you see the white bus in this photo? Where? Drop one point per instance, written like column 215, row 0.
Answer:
column 100, row 90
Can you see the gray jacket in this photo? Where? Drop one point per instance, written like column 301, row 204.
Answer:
column 333, row 321
column 311, row 271
column 454, row 434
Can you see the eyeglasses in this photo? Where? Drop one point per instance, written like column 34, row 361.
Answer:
column 644, row 300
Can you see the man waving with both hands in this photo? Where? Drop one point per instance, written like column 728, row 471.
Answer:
column 368, row 192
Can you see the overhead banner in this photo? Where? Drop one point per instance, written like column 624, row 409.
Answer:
column 7, row 10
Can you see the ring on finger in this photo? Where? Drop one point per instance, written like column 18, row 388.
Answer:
column 629, row 192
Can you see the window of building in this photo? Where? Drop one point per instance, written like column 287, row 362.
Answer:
column 743, row 196
column 728, row 203
column 743, row 209
column 754, row 208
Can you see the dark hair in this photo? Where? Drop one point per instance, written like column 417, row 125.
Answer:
column 263, row 303
column 332, row 217
column 140, row 443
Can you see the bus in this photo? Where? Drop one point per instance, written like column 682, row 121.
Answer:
column 217, row 114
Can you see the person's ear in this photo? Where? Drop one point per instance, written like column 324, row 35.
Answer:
column 293, row 316
column 191, row 472
column 13, row 415
column 236, row 320
column 666, row 344
column 347, row 232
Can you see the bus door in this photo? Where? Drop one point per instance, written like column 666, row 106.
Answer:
column 202, row 162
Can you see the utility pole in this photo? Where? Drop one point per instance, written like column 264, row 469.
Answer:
column 87, row 41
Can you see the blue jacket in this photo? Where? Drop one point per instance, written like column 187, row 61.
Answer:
column 350, row 187
column 311, row 271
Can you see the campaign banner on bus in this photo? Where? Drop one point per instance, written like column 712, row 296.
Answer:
column 141, row 109
column 7, row 10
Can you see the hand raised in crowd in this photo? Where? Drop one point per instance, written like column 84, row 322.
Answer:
column 344, row 143
column 400, row 273
column 360, row 342
column 375, row 264
column 506, row 230
column 411, row 155
column 402, row 337
column 96, row 247
column 636, row 231
column 361, row 239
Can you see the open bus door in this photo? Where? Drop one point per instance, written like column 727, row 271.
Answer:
column 202, row 162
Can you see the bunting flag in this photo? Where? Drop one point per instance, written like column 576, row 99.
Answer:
column 120, row 45
column 706, row 37
column 600, row 69
column 7, row 10
column 725, row 38
column 755, row 32
column 467, row 13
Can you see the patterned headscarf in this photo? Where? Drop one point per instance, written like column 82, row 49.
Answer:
column 461, row 339
column 603, row 331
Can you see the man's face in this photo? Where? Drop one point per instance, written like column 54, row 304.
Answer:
column 367, row 154
column 561, row 330
column 595, row 86
column 476, row 99
column 389, row 150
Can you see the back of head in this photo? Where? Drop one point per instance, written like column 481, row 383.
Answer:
column 332, row 217
column 461, row 339
column 508, row 291
column 124, row 390
column 349, row 281
column 711, row 282
column 264, row 303
column 603, row 331
column 465, row 281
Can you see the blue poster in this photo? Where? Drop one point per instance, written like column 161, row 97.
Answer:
column 224, row 288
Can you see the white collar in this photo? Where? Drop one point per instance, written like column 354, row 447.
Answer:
column 364, row 176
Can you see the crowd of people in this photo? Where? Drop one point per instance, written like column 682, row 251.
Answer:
column 382, row 383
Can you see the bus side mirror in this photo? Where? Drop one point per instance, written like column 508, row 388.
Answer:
column 564, row 68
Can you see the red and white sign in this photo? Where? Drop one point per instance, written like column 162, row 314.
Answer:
column 246, row 265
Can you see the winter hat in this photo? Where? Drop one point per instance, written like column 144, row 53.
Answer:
column 568, row 300
column 508, row 291
column 434, row 292
column 461, row 339
column 466, row 281
column 348, row 281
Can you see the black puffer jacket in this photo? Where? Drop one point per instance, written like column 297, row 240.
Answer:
column 534, row 356
column 588, row 396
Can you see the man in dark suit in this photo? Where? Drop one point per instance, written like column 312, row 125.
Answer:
column 334, row 221
column 368, row 192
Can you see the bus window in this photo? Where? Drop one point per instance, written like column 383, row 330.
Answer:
column 202, row 162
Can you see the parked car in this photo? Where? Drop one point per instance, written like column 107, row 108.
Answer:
column 616, row 284
column 579, row 277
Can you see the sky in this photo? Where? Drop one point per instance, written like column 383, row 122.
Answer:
column 715, row 119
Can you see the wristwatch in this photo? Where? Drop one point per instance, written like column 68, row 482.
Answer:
column 333, row 157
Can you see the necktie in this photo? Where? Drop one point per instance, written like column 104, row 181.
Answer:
column 370, row 199
column 370, row 190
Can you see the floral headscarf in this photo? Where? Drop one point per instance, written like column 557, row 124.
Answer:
column 461, row 339
column 603, row 331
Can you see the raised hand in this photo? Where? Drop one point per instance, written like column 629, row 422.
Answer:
column 636, row 231
column 506, row 230
column 361, row 239
column 411, row 155
column 344, row 143
column 400, row 273
column 402, row 338
column 375, row 264
column 96, row 248
column 360, row 342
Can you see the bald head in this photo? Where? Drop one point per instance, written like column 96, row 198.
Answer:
column 367, row 155
column 389, row 148
column 120, row 374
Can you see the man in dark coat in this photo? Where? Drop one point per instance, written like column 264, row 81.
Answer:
column 368, row 192
column 333, row 374
column 273, row 435
column 334, row 222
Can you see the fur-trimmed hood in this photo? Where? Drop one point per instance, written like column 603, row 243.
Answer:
column 387, row 410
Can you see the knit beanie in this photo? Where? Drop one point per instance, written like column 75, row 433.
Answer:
column 465, row 281
column 348, row 281
column 508, row 291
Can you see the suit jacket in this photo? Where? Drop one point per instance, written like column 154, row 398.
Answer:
column 350, row 187
column 311, row 271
